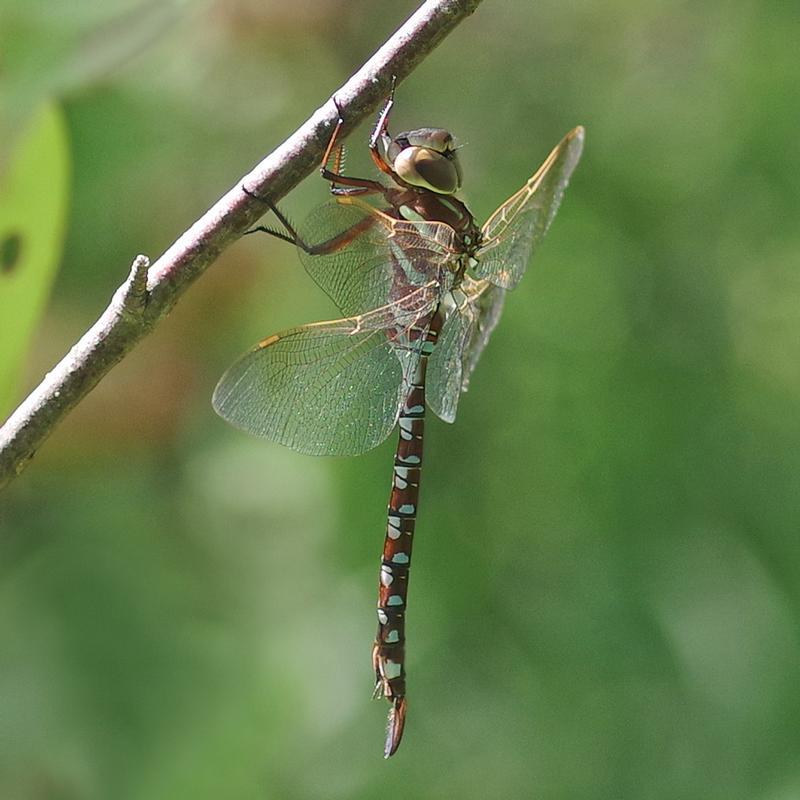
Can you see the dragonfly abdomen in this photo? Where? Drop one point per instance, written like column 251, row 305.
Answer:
column 388, row 654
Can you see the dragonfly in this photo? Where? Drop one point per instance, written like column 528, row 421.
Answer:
column 421, row 287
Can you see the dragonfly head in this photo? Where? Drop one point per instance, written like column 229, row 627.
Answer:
column 426, row 158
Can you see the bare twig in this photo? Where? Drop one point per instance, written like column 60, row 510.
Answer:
column 151, row 291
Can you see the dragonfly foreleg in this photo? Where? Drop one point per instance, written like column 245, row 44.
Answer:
column 352, row 191
column 355, row 186
column 381, row 132
column 326, row 158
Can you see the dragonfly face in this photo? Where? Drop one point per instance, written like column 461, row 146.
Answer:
column 421, row 287
column 425, row 158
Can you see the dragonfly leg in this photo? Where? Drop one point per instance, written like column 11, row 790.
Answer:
column 381, row 133
column 382, row 125
column 361, row 185
column 326, row 158
column 353, row 191
column 334, row 176
column 290, row 234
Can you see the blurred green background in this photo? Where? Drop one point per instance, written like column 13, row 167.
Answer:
column 606, row 591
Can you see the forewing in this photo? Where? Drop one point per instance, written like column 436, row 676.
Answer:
column 512, row 233
column 363, row 258
column 330, row 388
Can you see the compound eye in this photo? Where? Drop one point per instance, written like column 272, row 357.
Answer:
column 436, row 139
column 423, row 167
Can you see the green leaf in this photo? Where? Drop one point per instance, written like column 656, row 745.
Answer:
column 34, row 186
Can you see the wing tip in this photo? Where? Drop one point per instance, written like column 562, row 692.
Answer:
column 575, row 139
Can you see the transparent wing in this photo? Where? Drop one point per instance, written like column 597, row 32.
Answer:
column 512, row 233
column 330, row 388
column 473, row 312
column 445, row 366
column 363, row 258
column 489, row 301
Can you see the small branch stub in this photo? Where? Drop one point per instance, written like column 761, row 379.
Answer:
column 134, row 290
